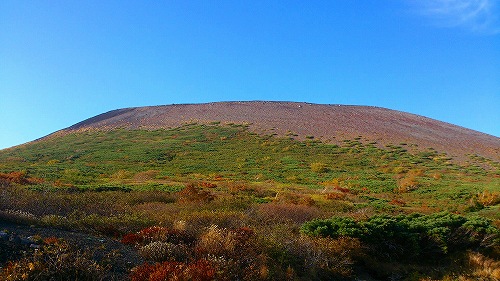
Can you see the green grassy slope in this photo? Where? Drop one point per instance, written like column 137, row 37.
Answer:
column 140, row 158
column 227, row 204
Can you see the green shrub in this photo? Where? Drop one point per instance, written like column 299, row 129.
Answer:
column 334, row 228
column 319, row 167
column 410, row 237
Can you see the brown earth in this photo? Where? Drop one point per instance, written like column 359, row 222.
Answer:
column 329, row 123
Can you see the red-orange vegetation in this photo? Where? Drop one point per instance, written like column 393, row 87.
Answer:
column 342, row 189
column 132, row 239
column 200, row 270
column 208, row 184
column 18, row 177
column 192, row 193
column 398, row 202
column 335, row 196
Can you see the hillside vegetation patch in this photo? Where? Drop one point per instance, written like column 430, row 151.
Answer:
column 217, row 202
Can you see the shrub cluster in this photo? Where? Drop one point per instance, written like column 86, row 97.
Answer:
column 157, row 233
column 171, row 254
column 411, row 237
column 200, row 270
column 55, row 260
column 191, row 193
column 18, row 177
column 300, row 257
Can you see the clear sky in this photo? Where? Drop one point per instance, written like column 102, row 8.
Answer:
column 64, row 61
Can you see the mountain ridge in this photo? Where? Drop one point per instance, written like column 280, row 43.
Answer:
column 326, row 122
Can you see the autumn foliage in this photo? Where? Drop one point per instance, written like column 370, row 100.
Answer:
column 18, row 177
column 198, row 270
column 192, row 193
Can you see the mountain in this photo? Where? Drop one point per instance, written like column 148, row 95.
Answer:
column 304, row 191
column 328, row 123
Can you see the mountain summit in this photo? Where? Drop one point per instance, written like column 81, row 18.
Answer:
column 329, row 123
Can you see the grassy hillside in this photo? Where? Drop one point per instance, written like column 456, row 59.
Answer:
column 206, row 181
column 162, row 158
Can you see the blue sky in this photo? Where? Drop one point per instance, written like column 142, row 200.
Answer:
column 65, row 61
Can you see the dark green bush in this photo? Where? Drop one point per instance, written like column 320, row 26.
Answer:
column 334, row 227
column 410, row 237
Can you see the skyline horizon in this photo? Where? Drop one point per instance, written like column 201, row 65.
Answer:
column 240, row 101
column 62, row 62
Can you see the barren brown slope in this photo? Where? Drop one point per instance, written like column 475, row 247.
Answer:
column 332, row 123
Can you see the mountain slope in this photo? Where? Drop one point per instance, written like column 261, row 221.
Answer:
column 184, row 173
column 330, row 123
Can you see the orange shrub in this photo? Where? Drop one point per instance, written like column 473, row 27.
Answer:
column 158, row 233
column 335, row 196
column 237, row 187
column 487, row 198
column 342, row 189
column 398, row 202
column 243, row 234
column 200, row 270
column 154, row 233
column 132, row 239
column 407, row 184
column 18, row 177
column 51, row 240
column 191, row 193
column 146, row 175
column 208, row 184
column 15, row 177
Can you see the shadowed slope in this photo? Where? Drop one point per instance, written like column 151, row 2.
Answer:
column 331, row 123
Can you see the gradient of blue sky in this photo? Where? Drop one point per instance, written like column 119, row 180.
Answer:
column 65, row 61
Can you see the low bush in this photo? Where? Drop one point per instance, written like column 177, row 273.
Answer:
column 487, row 198
column 55, row 260
column 159, row 251
column 286, row 212
column 200, row 270
column 208, row 184
column 483, row 268
column 17, row 177
column 191, row 193
column 158, row 234
column 197, row 221
column 132, row 239
column 411, row 237
column 223, row 242
column 335, row 196
column 231, row 252
column 326, row 257
column 318, row 167
column 299, row 257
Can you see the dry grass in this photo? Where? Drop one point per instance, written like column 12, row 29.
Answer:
column 287, row 213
